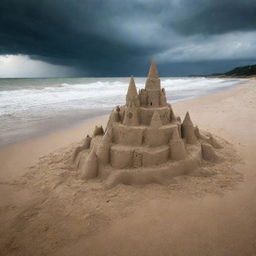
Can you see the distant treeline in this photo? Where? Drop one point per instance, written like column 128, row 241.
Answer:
column 245, row 71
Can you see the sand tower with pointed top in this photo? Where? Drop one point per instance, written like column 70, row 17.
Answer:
column 144, row 140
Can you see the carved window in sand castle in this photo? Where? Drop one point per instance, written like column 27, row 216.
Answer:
column 130, row 115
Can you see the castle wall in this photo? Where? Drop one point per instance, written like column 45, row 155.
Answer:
column 121, row 157
column 155, row 137
column 143, row 97
column 127, row 157
column 125, row 135
column 147, row 113
column 188, row 134
column 151, row 158
column 153, row 83
column 153, row 98
column 177, row 150
column 158, row 136
column 131, row 116
column 103, row 153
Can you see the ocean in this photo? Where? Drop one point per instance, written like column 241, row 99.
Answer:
column 33, row 107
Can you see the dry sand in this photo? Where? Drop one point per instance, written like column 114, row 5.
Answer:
column 46, row 210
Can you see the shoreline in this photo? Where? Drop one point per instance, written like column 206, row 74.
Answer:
column 52, row 128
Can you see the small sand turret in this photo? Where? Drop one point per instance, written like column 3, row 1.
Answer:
column 162, row 97
column 188, row 131
column 177, row 147
column 89, row 170
column 144, row 140
column 103, row 149
column 86, row 144
column 98, row 130
column 173, row 117
column 152, row 95
column 114, row 118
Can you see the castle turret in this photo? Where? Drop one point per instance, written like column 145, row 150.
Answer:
column 177, row 147
column 131, row 115
column 98, row 130
column 173, row 117
column 153, row 81
column 156, row 120
column 89, row 169
column 188, row 130
column 86, row 144
column 163, row 100
column 132, row 95
column 113, row 118
column 153, row 72
column 153, row 92
column 103, row 150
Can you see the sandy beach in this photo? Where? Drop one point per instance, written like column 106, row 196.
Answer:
column 46, row 210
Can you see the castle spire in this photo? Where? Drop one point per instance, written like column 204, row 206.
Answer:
column 103, row 152
column 153, row 73
column 153, row 81
column 132, row 94
column 188, row 130
column 132, row 91
column 177, row 147
column 187, row 120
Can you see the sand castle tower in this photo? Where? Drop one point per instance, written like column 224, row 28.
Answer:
column 143, row 138
column 188, row 130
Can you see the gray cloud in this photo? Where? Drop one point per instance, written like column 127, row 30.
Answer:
column 217, row 17
column 119, row 38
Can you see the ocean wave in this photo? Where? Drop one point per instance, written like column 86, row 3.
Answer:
column 99, row 94
column 32, row 108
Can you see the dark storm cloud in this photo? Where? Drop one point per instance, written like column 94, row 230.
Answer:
column 113, row 37
column 217, row 16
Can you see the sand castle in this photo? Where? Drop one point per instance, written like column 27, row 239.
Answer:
column 144, row 140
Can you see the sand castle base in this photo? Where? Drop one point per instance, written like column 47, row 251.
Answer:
column 154, row 174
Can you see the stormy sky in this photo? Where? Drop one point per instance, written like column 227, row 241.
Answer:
column 120, row 38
